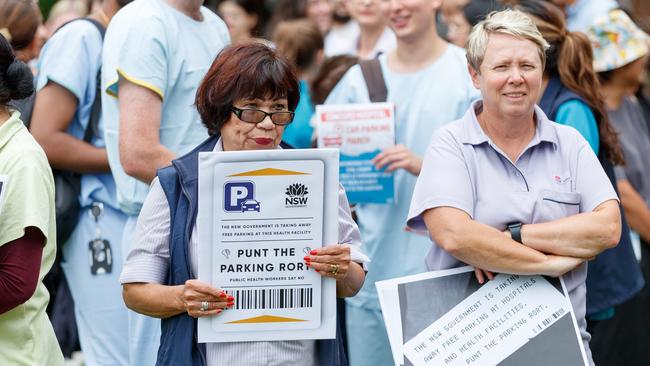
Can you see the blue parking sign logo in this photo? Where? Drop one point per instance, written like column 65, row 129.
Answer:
column 240, row 197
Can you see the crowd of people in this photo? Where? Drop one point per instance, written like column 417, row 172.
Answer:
column 516, row 122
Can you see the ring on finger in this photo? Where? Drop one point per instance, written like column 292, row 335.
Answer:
column 334, row 269
column 205, row 305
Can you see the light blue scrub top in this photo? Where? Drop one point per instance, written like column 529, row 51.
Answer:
column 157, row 47
column 578, row 115
column 425, row 100
column 75, row 68
column 298, row 134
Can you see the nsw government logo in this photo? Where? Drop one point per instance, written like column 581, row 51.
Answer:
column 297, row 195
column 240, row 197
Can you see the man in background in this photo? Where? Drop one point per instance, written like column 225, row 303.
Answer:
column 155, row 54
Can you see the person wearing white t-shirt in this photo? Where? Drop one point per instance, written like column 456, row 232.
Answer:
column 427, row 79
column 367, row 35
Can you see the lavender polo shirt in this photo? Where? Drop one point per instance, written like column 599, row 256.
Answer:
column 557, row 175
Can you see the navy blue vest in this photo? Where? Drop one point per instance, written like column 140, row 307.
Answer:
column 614, row 276
column 178, row 342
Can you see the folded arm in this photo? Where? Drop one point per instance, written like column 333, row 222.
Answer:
column 485, row 247
column 583, row 236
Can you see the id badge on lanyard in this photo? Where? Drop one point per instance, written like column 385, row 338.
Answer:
column 100, row 254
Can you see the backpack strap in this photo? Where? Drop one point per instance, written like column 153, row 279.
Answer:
column 98, row 25
column 371, row 70
column 96, row 110
column 26, row 113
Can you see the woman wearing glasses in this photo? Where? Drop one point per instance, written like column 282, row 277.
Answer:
column 246, row 100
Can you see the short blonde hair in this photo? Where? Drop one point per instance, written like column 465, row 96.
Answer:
column 511, row 22
column 77, row 7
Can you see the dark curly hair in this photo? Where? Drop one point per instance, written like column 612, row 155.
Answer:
column 16, row 80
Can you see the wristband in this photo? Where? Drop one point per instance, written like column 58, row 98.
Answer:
column 515, row 231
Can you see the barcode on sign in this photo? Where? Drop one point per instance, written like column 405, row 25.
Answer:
column 273, row 298
column 553, row 316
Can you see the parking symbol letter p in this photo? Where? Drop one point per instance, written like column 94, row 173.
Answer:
column 235, row 193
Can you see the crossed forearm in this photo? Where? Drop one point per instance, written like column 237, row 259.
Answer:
column 583, row 236
column 485, row 247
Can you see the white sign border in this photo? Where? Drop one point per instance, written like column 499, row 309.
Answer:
column 389, row 302
column 207, row 161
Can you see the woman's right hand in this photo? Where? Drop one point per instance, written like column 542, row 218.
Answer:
column 195, row 293
column 558, row 265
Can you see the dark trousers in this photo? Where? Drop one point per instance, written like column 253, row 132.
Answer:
column 625, row 338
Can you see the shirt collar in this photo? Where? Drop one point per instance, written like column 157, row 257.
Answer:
column 474, row 135
column 218, row 146
column 10, row 127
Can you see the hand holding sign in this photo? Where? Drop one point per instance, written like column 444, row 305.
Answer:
column 398, row 157
column 200, row 299
column 331, row 261
column 360, row 132
column 258, row 212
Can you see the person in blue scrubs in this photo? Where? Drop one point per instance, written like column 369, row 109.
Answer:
column 418, row 76
column 156, row 53
column 92, row 256
column 301, row 42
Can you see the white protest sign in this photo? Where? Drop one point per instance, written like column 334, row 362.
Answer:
column 490, row 324
column 389, row 301
column 271, row 219
column 259, row 214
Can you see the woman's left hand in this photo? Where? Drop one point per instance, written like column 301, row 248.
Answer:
column 330, row 261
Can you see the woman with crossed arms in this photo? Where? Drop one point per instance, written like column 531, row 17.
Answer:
column 506, row 190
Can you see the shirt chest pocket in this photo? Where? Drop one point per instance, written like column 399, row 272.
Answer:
column 553, row 205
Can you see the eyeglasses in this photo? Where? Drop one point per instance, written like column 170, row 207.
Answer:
column 252, row 115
